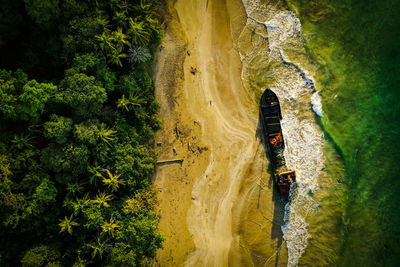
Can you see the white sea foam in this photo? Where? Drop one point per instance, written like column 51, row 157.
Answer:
column 299, row 100
column 316, row 104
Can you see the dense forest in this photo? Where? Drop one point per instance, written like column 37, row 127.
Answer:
column 77, row 121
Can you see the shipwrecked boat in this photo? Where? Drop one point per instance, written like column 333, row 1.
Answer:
column 271, row 115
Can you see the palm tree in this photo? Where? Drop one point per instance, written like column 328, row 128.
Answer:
column 136, row 100
column 138, row 32
column 120, row 17
column 144, row 7
column 95, row 171
column 106, row 134
column 80, row 203
column 132, row 100
column 102, row 200
column 119, row 5
column 120, row 37
column 113, row 180
column 105, row 40
column 102, row 22
column 80, row 262
column 22, row 141
column 151, row 22
column 98, row 247
column 67, row 224
column 132, row 206
column 150, row 15
column 74, row 188
column 109, row 227
column 116, row 55
column 123, row 103
column 138, row 54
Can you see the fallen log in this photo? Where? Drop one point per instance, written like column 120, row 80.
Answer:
column 167, row 162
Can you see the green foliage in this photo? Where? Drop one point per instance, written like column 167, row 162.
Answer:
column 43, row 196
column 79, row 36
column 109, row 227
column 102, row 200
column 120, row 38
column 139, row 237
column 112, row 181
column 75, row 143
column 127, row 85
column 87, row 132
column 79, row 204
column 33, row 98
column 134, row 163
column 58, row 128
column 10, row 87
column 139, row 55
column 85, row 63
column 41, row 256
column 115, row 56
column 80, row 93
column 138, row 33
column 68, row 158
column 42, row 12
column 67, row 224
column 93, row 217
column 20, row 99
column 75, row 188
column 125, row 103
column 105, row 134
column 98, row 247
column 142, row 201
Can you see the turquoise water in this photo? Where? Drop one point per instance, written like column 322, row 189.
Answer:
column 356, row 46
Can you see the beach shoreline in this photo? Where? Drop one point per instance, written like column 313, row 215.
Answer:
column 218, row 207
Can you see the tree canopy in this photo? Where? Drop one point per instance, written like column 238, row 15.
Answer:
column 77, row 120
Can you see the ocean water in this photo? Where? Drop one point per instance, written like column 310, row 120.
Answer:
column 335, row 65
column 275, row 57
column 356, row 47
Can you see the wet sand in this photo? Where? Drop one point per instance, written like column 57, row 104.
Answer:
column 219, row 207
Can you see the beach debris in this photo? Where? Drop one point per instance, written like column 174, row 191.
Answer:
column 176, row 130
column 196, row 122
column 161, row 47
column 167, row 162
column 187, row 52
column 193, row 70
column 190, row 147
column 201, row 149
column 174, row 150
column 210, row 103
column 159, row 144
column 193, row 198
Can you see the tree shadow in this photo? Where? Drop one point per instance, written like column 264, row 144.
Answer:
column 279, row 200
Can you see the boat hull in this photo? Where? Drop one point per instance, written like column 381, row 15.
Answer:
column 271, row 117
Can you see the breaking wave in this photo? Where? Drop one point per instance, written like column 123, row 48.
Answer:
column 283, row 52
column 316, row 104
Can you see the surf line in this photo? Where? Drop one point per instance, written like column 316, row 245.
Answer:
column 284, row 26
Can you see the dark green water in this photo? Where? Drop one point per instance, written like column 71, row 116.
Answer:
column 356, row 45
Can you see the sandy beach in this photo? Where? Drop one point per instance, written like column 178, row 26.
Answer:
column 219, row 206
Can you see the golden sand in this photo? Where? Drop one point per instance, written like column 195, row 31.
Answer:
column 218, row 207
